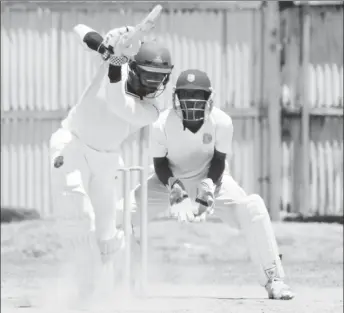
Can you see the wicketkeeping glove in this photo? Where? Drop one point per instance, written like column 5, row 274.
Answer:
column 177, row 191
column 181, row 206
column 205, row 198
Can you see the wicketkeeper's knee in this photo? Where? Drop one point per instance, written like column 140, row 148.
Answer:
column 255, row 208
column 256, row 201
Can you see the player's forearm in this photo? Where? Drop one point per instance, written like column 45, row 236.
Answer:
column 162, row 169
column 217, row 166
column 94, row 41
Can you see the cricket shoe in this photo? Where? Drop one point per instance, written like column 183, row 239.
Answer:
column 278, row 290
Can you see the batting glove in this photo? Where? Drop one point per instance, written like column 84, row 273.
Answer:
column 205, row 198
column 109, row 248
column 118, row 49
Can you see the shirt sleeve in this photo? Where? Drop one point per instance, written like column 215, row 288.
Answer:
column 158, row 144
column 224, row 135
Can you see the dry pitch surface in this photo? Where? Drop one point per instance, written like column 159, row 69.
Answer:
column 193, row 268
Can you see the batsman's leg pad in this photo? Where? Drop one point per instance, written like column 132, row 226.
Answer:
column 109, row 248
column 84, row 260
column 75, row 225
column 102, row 194
column 255, row 223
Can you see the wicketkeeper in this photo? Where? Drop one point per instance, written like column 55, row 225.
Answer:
column 190, row 145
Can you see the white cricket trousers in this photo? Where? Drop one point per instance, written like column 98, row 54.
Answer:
column 84, row 187
column 234, row 207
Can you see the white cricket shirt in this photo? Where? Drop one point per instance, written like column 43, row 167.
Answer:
column 190, row 154
column 107, row 114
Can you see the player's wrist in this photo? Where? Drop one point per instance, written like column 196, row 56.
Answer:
column 173, row 182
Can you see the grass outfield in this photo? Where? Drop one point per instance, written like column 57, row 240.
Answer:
column 200, row 268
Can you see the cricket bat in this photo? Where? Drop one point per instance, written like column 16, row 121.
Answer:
column 92, row 40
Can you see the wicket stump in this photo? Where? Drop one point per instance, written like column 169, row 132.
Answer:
column 127, row 210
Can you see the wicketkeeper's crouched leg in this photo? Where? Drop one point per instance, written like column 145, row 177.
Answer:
column 250, row 215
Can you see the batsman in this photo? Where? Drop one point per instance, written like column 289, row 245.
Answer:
column 190, row 145
column 85, row 150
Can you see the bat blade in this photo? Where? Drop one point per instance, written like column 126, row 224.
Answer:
column 143, row 28
column 93, row 40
